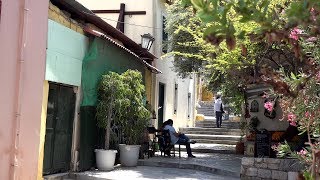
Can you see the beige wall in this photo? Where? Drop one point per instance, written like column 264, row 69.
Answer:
column 170, row 78
column 23, row 32
column 134, row 32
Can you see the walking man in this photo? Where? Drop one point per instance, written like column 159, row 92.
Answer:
column 218, row 108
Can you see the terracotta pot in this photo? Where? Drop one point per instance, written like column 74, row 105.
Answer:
column 240, row 148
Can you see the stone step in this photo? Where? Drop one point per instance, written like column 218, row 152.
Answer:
column 209, row 130
column 210, row 148
column 207, row 113
column 214, row 124
column 213, row 132
column 234, row 126
column 208, row 108
column 222, row 126
column 210, row 141
column 208, row 124
column 205, row 107
column 201, row 103
column 211, row 121
column 213, row 137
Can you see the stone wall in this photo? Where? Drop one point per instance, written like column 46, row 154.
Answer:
column 63, row 17
column 269, row 168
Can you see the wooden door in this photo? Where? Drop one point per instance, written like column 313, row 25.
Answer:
column 161, row 104
column 58, row 140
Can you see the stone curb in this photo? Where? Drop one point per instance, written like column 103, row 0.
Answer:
column 193, row 166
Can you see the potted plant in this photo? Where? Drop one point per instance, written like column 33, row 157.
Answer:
column 111, row 99
column 135, row 119
column 240, row 144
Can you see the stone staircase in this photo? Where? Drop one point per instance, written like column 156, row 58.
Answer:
column 211, row 139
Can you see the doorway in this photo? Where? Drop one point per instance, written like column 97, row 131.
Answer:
column 161, row 104
column 58, row 139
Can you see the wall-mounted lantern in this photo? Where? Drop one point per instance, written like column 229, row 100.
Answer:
column 147, row 41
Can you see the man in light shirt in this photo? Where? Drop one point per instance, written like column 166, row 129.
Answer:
column 218, row 108
column 178, row 138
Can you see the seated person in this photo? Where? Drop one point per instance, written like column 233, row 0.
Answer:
column 178, row 138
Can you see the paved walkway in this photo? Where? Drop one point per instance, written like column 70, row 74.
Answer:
column 149, row 173
column 221, row 164
column 204, row 166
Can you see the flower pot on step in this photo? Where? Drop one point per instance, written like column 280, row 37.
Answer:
column 105, row 159
column 129, row 154
column 240, row 148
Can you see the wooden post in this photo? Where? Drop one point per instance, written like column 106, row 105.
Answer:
column 120, row 24
column 122, row 12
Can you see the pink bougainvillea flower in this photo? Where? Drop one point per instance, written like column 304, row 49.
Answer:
column 265, row 95
column 275, row 147
column 269, row 106
column 307, row 114
column 318, row 76
column 294, row 34
column 305, row 101
column 302, row 152
column 312, row 39
column 293, row 123
column 292, row 117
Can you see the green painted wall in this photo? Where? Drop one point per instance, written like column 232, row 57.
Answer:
column 104, row 56
column 65, row 51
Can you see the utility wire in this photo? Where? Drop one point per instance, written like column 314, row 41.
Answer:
column 123, row 22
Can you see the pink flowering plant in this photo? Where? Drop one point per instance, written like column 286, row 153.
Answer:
column 269, row 106
column 303, row 111
column 299, row 99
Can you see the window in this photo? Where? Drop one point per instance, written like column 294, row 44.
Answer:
column 164, row 36
column 189, row 105
column 175, row 98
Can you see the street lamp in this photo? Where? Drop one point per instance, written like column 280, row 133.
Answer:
column 146, row 41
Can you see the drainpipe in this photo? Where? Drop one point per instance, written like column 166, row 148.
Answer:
column 19, row 90
column 154, row 76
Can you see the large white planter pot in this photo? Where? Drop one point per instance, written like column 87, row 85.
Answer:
column 105, row 159
column 129, row 154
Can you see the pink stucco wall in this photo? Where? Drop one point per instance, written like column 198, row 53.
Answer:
column 32, row 17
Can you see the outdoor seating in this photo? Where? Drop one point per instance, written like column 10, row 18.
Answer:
column 160, row 140
column 166, row 146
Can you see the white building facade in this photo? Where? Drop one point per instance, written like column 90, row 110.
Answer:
column 172, row 97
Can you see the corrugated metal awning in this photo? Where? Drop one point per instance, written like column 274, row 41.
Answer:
column 100, row 34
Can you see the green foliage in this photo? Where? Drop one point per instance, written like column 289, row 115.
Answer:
column 221, row 68
column 284, row 150
column 291, row 24
column 186, row 44
column 121, row 101
column 136, row 114
column 112, row 95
